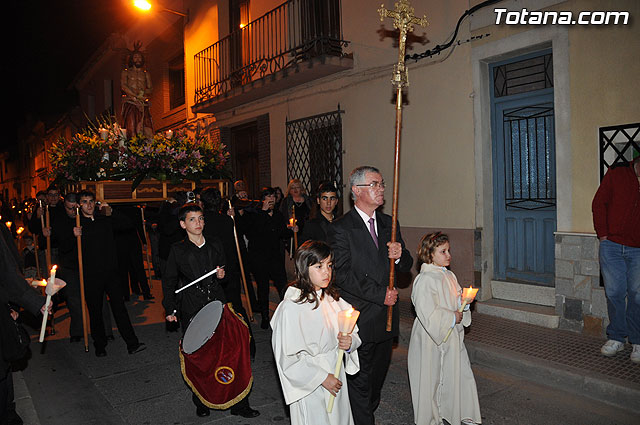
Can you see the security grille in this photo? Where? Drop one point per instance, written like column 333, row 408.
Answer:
column 618, row 144
column 523, row 76
column 314, row 150
column 530, row 179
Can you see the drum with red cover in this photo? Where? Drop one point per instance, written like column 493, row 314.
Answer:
column 214, row 356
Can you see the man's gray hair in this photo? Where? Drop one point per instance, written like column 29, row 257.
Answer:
column 357, row 176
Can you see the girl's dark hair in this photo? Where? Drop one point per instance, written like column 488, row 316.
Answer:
column 428, row 245
column 310, row 253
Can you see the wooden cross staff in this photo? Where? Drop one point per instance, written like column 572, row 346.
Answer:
column 403, row 20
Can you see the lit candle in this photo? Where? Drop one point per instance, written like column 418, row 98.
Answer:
column 169, row 134
column 468, row 294
column 9, row 223
column 346, row 322
column 103, row 133
column 51, row 288
column 36, row 283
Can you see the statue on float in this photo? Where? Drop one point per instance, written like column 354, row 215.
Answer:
column 136, row 89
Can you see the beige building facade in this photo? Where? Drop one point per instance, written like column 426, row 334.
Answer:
column 301, row 89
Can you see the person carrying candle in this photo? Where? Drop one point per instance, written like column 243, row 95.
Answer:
column 306, row 340
column 440, row 376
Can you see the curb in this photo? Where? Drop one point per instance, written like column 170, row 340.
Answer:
column 604, row 389
column 23, row 400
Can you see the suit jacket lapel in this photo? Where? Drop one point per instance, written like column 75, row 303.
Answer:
column 384, row 236
column 362, row 231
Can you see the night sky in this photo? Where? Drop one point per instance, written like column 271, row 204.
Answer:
column 46, row 43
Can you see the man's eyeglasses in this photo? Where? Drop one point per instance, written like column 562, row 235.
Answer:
column 373, row 185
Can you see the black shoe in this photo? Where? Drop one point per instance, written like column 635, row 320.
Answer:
column 245, row 412
column 73, row 339
column 202, row 411
column 148, row 297
column 101, row 352
column 137, row 348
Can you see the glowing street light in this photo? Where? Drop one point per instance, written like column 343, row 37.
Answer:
column 146, row 6
column 142, row 4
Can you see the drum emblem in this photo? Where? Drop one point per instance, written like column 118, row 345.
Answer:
column 225, row 375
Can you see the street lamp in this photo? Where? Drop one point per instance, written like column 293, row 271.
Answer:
column 146, row 6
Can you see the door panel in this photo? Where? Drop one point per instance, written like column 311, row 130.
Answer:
column 524, row 187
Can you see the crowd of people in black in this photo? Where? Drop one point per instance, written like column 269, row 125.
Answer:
column 258, row 232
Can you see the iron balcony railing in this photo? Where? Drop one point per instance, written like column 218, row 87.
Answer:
column 293, row 32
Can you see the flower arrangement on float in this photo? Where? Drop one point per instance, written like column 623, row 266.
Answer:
column 105, row 153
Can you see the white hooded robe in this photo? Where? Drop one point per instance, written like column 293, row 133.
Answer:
column 442, row 383
column 305, row 346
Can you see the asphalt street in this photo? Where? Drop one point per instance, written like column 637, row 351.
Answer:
column 63, row 385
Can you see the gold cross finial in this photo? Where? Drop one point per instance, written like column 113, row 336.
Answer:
column 403, row 19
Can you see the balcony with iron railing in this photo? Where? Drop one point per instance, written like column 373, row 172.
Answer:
column 297, row 42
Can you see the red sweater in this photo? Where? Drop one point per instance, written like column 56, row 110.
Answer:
column 616, row 207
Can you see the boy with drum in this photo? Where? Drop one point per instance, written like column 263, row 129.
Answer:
column 188, row 260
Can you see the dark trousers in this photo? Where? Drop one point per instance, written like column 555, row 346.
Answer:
column 95, row 288
column 6, row 395
column 72, row 295
column 366, row 385
column 131, row 270
column 264, row 271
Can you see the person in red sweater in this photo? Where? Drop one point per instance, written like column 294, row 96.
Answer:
column 616, row 219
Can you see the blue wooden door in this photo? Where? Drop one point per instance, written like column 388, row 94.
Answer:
column 524, row 186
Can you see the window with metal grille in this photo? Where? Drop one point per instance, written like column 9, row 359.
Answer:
column 529, row 175
column 618, row 144
column 523, row 76
column 314, row 150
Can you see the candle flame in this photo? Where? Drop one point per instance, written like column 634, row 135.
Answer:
column 54, row 268
column 9, row 223
column 40, row 282
column 469, row 293
column 349, row 312
column 20, row 230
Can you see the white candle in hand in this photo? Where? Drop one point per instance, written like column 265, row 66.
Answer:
column 468, row 294
column 346, row 322
column 49, row 290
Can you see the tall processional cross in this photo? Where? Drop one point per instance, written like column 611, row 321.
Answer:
column 403, row 20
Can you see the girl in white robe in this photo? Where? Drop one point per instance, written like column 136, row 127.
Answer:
column 306, row 339
column 440, row 376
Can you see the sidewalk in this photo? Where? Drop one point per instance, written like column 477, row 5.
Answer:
column 562, row 359
column 65, row 385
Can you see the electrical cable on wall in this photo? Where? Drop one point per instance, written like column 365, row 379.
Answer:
column 441, row 47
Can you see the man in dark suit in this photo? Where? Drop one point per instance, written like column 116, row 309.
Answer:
column 361, row 244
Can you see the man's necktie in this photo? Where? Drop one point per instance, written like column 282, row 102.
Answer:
column 372, row 230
